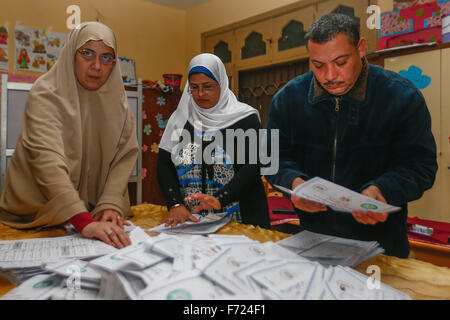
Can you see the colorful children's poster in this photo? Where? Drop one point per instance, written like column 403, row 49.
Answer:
column 35, row 49
column 3, row 48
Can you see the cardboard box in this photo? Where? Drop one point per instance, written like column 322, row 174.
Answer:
column 418, row 24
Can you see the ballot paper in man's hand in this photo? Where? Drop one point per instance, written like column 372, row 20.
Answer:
column 338, row 197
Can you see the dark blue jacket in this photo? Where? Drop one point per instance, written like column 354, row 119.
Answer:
column 377, row 134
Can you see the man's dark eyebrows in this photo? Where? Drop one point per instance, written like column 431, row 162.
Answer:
column 337, row 58
column 342, row 56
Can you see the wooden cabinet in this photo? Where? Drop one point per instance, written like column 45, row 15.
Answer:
column 434, row 204
column 157, row 107
column 277, row 37
column 222, row 45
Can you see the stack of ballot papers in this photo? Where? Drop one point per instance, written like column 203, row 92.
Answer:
column 22, row 259
column 331, row 250
column 199, row 267
column 206, row 225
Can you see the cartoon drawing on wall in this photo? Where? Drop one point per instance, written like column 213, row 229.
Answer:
column 54, row 42
column 3, row 55
column 51, row 60
column 414, row 74
column 3, row 35
column 42, row 47
column 38, row 61
column 22, row 38
column 38, row 47
column 24, row 59
column 4, row 48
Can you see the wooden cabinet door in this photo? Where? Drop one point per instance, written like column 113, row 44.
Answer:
column 254, row 44
column 429, row 206
column 445, row 134
column 222, row 45
column 288, row 35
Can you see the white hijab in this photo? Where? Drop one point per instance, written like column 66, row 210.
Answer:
column 226, row 112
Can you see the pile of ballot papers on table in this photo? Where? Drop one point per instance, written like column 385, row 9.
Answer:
column 193, row 267
column 330, row 250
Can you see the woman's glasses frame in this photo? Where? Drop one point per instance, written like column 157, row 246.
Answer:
column 90, row 55
column 205, row 88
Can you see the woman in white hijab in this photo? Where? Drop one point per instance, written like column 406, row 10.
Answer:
column 78, row 144
column 196, row 178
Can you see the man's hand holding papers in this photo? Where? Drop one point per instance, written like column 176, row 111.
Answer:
column 314, row 195
column 370, row 217
column 302, row 203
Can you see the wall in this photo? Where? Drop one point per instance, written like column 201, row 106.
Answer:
column 151, row 34
column 160, row 39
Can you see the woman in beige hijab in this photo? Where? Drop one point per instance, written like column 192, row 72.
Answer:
column 78, row 144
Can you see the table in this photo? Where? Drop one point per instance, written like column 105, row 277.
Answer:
column 419, row 279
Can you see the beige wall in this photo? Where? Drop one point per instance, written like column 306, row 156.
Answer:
column 153, row 35
column 160, row 39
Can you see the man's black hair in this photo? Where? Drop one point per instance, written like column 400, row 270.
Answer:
column 330, row 25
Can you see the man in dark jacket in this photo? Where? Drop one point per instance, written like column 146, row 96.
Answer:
column 358, row 125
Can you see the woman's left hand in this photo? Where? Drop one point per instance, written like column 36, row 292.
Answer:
column 207, row 202
column 111, row 215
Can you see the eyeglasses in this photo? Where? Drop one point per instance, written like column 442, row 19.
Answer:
column 105, row 58
column 206, row 88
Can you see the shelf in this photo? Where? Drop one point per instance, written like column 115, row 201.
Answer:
column 406, row 50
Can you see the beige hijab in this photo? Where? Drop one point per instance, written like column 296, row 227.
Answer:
column 77, row 147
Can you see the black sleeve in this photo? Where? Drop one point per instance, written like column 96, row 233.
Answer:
column 246, row 175
column 168, row 179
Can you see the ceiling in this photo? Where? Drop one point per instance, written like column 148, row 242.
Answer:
column 179, row 4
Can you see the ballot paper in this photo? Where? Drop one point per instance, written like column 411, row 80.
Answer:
column 207, row 224
column 40, row 287
column 67, row 268
column 337, row 197
column 134, row 257
column 207, row 268
column 135, row 282
column 22, row 259
column 331, row 250
column 243, row 273
column 35, row 252
column 289, row 280
column 189, row 286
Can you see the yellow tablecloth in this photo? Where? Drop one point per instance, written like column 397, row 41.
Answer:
column 421, row 280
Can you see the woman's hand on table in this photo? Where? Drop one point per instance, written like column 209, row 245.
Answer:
column 207, row 202
column 112, row 216
column 178, row 215
column 108, row 232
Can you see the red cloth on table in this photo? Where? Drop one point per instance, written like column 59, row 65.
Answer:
column 441, row 231
column 280, row 203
